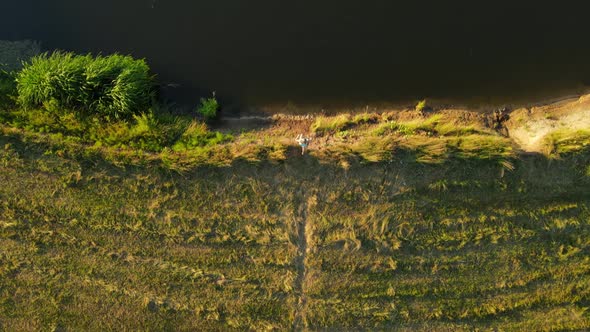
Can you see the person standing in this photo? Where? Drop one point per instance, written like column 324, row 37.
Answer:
column 303, row 142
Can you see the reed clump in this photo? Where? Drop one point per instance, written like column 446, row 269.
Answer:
column 114, row 86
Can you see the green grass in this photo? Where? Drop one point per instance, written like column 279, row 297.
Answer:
column 421, row 105
column 324, row 124
column 426, row 126
column 159, row 223
column 434, row 125
column 566, row 142
column 113, row 87
column 105, row 252
column 145, row 132
column 182, row 141
column 198, row 135
column 391, row 252
column 331, row 125
column 419, row 141
column 153, row 131
column 88, row 245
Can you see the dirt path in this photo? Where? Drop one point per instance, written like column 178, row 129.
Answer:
column 304, row 234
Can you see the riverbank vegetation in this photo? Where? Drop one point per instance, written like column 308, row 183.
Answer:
column 143, row 218
column 106, row 105
column 87, row 102
column 112, row 87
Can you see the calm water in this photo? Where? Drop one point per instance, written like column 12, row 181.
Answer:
column 325, row 52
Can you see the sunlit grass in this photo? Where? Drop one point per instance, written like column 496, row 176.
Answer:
column 565, row 141
column 198, row 135
column 335, row 124
column 323, row 124
column 481, row 147
column 433, row 125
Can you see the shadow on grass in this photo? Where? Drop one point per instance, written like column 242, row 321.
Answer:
column 532, row 171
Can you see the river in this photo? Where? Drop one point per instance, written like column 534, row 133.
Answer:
column 326, row 52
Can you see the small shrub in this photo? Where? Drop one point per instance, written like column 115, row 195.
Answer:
column 131, row 93
column 208, row 108
column 421, row 106
column 50, row 77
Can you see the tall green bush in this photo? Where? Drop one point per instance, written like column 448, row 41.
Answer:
column 114, row 86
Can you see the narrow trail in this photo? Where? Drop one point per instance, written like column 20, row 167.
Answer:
column 303, row 248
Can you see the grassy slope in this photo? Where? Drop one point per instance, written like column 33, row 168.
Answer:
column 457, row 243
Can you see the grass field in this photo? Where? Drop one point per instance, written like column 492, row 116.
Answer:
column 424, row 223
column 93, row 247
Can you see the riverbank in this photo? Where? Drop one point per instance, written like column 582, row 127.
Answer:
column 428, row 136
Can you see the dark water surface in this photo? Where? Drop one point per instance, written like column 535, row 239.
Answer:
column 326, row 52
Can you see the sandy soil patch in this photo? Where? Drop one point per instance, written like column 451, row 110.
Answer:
column 529, row 126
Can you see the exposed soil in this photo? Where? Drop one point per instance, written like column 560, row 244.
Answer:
column 529, row 126
column 526, row 126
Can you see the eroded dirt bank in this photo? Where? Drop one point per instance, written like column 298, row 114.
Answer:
column 528, row 127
